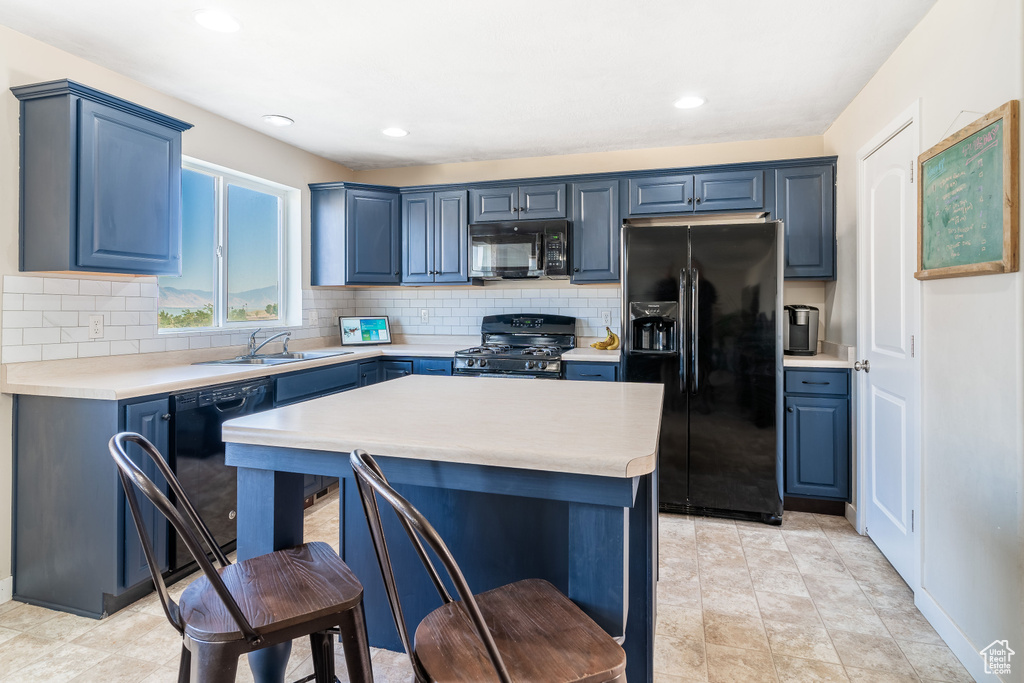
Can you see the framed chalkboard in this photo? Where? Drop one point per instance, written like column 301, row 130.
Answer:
column 967, row 200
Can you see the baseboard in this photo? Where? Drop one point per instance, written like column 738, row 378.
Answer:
column 961, row 646
column 851, row 517
column 6, row 589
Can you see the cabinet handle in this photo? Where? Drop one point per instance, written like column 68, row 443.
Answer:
column 822, row 384
column 165, row 416
column 590, row 374
column 689, row 200
column 789, row 410
column 575, row 270
column 698, row 200
column 398, row 272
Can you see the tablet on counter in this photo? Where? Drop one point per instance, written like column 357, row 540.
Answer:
column 364, row 330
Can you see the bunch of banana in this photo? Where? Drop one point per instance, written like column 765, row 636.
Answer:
column 609, row 343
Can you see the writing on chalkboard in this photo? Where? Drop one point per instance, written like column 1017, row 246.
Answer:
column 962, row 195
column 967, row 199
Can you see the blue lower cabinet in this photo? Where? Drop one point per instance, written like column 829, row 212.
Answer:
column 592, row 372
column 393, row 369
column 818, row 434
column 308, row 384
column 152, row 420
column 433, row 366
column 368, row 372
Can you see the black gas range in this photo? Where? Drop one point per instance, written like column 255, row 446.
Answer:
column 519, row 345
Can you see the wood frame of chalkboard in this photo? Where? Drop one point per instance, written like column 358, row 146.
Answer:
column 955, row 223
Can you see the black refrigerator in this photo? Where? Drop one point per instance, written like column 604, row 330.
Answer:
column 701, row 304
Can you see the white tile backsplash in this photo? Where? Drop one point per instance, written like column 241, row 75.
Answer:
column 46, row 317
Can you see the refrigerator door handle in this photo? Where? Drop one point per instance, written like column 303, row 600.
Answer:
column 681, row 331
column 694, row 332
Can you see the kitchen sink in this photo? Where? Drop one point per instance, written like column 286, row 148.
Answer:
column 275, row 359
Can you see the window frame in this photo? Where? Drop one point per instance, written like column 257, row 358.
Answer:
column 289, row 312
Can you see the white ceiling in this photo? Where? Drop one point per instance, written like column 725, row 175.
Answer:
column 481, row 79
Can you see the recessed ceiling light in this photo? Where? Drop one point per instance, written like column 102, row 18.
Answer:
column 216, row 20
column 689, row 102
column 277, row 120
column 395, row 132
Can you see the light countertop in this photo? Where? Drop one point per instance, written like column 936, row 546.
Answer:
column 130, row 376
column 820, row 360
column 476, row 420
column 588, row 354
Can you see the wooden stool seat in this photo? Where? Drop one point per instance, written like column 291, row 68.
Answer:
column 541, row 634
column 300, row 585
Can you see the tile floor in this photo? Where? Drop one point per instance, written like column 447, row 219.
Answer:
column 810, row 601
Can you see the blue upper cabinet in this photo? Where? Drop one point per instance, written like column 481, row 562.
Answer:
column 595, row 231
column 418, row 238
column 494, row 204
column 661, row 194
column 100, row 183
column 542, row 201
column 805, row 203
column 435, row 237
column 519, row 202
column 451, row 237
column 712, row 191
column 728, row 191
column 355, row 235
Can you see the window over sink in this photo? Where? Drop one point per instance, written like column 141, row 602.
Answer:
column 239, row 253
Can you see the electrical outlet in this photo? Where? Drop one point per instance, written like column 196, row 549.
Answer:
column 95, row 327
column 424, row 315
column 606, row 318
column 314, row 318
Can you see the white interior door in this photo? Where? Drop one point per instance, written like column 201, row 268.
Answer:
column 888, row 327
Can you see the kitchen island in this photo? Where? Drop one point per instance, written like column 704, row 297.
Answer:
column 522, row 478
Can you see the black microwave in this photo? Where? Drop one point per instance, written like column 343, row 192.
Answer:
column 516, row 250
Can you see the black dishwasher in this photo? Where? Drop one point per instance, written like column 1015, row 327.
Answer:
column 198, row 455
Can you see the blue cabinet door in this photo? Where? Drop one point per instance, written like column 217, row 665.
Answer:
column 451, row 237
column 661, row 194
column 818, row 446
column 595, row 231
column 129, row 193
column 368, row 373
column 805, row 203
column 542, row 201
column 418, row 237
column 373, row 237
column 728, row 190
column 151, row 419
column 393, row 369
column 494, row 204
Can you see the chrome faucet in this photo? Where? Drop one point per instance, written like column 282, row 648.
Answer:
column 253, row 348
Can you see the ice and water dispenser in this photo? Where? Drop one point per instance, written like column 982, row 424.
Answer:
column 654, row 326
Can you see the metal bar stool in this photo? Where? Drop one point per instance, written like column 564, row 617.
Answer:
column 525, row 631
column 253, row 604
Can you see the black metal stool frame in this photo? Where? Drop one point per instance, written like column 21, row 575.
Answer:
column 223, row 656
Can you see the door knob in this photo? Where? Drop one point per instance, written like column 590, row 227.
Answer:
column 789, row 409
column 165, row 416
column 864, row 365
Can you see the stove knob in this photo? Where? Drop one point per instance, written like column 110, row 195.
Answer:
column 543, row 365
column 469, row 362
column 482, row 362
column 530, row 365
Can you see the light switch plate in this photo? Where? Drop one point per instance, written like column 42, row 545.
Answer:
column 95, row 327
column 314, row 318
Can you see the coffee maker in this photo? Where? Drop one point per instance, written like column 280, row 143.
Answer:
column 800, row 333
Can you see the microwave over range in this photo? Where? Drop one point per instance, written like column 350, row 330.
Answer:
column 514, row 250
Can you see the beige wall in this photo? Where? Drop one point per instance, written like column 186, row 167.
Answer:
column 962, row 56
column 214, row 139
column 600, row 162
